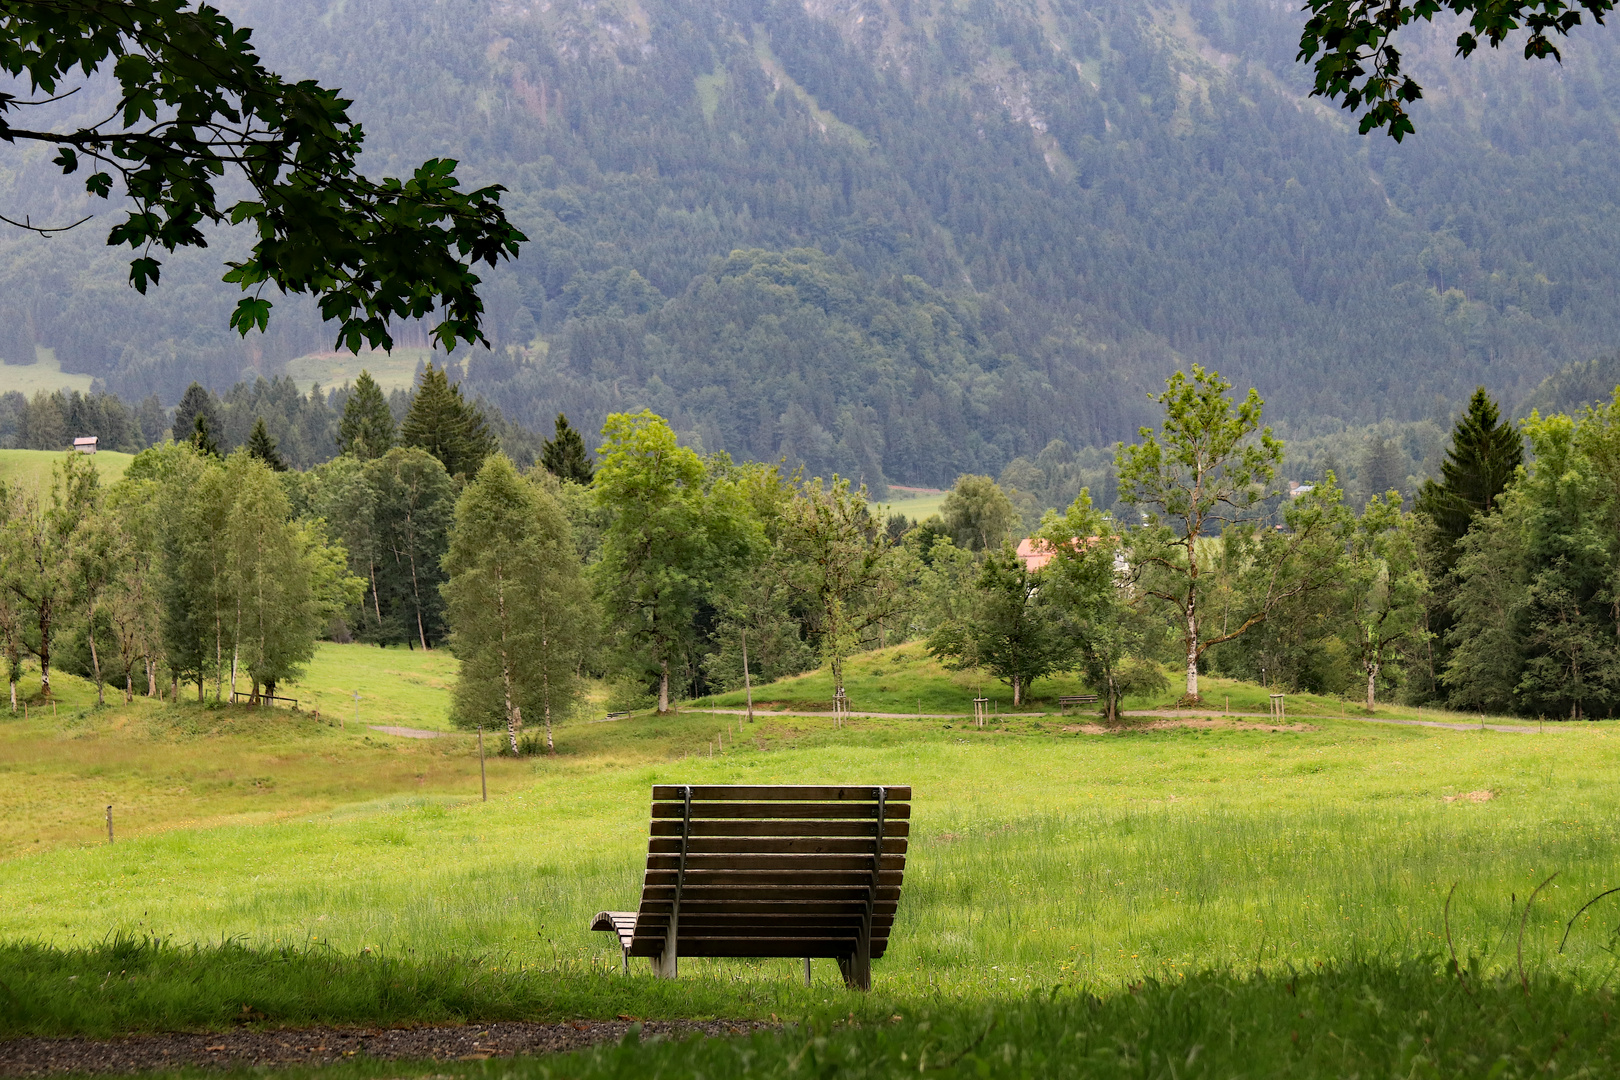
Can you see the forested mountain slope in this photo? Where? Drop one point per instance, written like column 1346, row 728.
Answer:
column 912, row 238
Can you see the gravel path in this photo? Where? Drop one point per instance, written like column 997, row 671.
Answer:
column 1165, row 714
column 29, row 1057
column 408, row 732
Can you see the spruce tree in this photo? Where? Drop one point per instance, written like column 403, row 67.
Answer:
column 194, row 402
column 564, row 455
column 447, row 426
column 202, row 438
column 263, row 447
column 367, row 428
column 1485, row 452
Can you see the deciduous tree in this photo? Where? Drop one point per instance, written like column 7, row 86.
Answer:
column 847, row 573
column 670, row 540
column 1351, row 45
column 1089, row 582
column 1011, row 630
column 517, row 602
column 1204, row 471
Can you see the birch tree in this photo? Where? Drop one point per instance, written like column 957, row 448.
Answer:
column 517, row 603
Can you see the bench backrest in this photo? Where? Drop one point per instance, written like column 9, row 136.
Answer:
column 773, row 871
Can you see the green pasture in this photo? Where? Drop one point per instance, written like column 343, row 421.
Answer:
column 916, row 506
column 1077, row 902
column 393, row 371
column 32, row 468
column 45, row 373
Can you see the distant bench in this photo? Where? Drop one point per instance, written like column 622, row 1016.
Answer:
column 1070, row 700
column 769, row 871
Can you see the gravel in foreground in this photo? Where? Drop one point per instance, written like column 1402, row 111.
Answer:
column 27, row 1057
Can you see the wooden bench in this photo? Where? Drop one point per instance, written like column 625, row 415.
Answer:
column 1068, row 700
column 769, row 871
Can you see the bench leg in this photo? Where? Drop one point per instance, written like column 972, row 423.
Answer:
column 807, row 971
column 666, row 965
column 857, row 970
column 626, row 954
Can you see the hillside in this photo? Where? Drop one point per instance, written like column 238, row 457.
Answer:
column 905, row 239
column 32, row 468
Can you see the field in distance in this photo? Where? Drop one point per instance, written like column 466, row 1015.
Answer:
column 45, row 373
column 32, row 468
column 393, row 371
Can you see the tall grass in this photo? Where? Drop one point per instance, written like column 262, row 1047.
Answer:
column 1036, row 858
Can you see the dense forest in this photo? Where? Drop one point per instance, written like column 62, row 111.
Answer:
column 906, row 239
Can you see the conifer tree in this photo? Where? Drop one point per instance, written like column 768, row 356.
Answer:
column 202, row 437
column 367, row 428
column 564, row 454
column 1485, row 452
column 263, row 447
column 447, row 426
column 196, row 401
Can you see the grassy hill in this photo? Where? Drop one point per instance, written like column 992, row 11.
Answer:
column 393, row 371
column 1224, row 875
column 45, row 373
column 32, row 468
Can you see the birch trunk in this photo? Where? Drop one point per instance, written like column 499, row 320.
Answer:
column 95, row 658
column 663, row 687
column 514, row 715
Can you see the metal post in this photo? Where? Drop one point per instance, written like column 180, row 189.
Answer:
column 109, row 825
column 748, row 683
column 483, row 780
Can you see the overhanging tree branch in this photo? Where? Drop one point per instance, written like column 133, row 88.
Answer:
column 195, row 100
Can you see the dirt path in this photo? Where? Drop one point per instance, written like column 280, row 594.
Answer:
column 244, row 1047
column 408, row 732
column 1162, row 714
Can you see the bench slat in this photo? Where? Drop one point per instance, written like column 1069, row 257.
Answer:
column 783, row 793
column 763, row 893
column 860, row 881
column 782, row 828
column 659, row 908
column 696, row 862
column 788, row 845
column 777, row 810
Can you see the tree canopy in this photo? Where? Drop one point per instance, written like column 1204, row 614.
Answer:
column 194, row 102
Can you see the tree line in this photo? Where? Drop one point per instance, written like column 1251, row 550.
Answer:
column 674, row 574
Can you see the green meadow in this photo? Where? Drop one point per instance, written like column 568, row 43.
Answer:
column 32, row 468
column 44, row 374
column 1323, row 898
column 393, row 371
